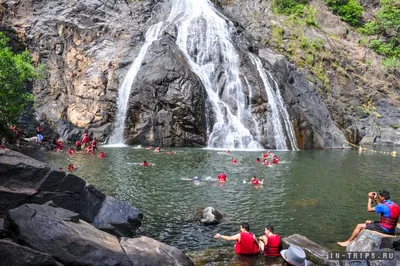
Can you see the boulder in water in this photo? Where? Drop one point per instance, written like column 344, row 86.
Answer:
column 117, row 217
column 209, row 216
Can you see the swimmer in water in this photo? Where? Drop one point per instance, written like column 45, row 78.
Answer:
column 102, row 155
column 234, row 160
column 228, row 152
column 170, row 152
column 222, row 178
column 258, row 160
column 145, row 163
column 71, row 151
column 158, row 149
column 196, row 178
column 71, row 167
column 266, row 162
column 256, row 182
column 275, row 159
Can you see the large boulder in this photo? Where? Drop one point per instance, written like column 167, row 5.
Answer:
column 117, row 217
column 314, row 252
column 147, row 251
column 61, row 234
column 17, row 255
column 25, row 180
column 209, row 216
column 371, row 241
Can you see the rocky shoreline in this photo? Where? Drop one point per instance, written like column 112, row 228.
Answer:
column 49, row 217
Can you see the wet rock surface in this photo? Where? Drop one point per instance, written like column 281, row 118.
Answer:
column 209, row 216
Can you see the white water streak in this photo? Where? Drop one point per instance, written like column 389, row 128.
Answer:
column 279, row 113
column 125, row 90
column 204, row 37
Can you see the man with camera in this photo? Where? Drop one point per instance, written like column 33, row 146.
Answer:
column 388, row 210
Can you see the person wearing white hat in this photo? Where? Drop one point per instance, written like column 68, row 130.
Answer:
column 294, row 256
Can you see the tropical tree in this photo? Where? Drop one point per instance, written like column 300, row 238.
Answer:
column 16, row 72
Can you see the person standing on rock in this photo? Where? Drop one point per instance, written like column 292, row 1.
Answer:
column 246, row 242
column 388, row 210
column 39, row 136
column 270, row 243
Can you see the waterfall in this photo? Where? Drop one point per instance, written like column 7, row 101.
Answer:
column 279, row 117
column 204, row 37
column 124, row 92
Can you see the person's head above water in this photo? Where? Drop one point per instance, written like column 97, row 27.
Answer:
column 245, row 227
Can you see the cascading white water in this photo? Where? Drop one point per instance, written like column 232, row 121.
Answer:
column 204, row 37
column 279, row 116
column 125, row 90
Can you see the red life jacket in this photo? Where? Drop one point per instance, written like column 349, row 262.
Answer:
column 246, row 246
column 255, row 182
column 222, row 177
column 390, row 223
column 273, row 246
column 145, row 164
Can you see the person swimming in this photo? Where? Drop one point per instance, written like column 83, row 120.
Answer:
column 71, row 167
column 196, row 178
column 255, row 181
column 145, row 163
column 275, row 159
column 158, row 149
column 266, row 162
column 102, row 155
column 234, row 160
column 228, row 152
column 258, row 160
column 222, row 178
column 170, row 152
column 71, row 151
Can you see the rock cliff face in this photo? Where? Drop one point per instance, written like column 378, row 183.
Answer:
column 87, row 48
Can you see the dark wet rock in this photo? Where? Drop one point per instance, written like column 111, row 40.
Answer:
column 17, row 255
column 167, row 104
column 3, row 232
column 59, row 233
column 314, row 252
column 147, row 251
column 25, row 180
column 209, row 216
column 117, row 217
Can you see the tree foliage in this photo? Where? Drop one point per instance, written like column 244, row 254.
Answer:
column 289, row 7
column 16, row 70
column 349, row 11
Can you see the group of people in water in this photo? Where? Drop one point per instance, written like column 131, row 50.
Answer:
column 268, row 244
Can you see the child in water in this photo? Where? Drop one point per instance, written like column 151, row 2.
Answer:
column 145, row 163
